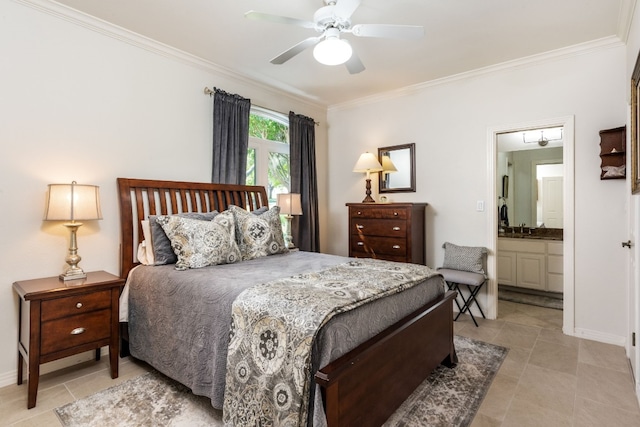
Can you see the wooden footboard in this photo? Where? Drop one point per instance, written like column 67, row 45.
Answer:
column 365, row 386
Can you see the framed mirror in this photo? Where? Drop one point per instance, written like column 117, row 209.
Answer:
column 399, row 163
column 635, row 140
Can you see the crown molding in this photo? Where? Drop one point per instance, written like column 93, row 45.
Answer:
column 625, row 18
column 550, row 56
column 121, row 34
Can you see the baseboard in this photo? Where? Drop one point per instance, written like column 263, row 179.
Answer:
column 11, row 377
column 598, row 336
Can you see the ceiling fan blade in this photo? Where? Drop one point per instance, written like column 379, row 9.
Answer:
column 294, row 50
column 345, row 8
column 259, row 16
column 354, row 65
column 388, row 31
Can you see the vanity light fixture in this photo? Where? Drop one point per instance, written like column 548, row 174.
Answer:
column 542, row 141
column 73, row 202
column 368, row 163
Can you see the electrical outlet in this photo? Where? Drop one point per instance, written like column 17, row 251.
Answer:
column 480, row 205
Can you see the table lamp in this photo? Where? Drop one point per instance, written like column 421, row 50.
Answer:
column 72, row 203
column 290, row 205
column 368, row 163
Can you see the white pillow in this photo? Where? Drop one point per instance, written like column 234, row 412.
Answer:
column 145, row 248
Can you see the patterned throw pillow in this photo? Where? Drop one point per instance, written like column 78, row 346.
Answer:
column 259, row 235
column 464, row 258
column 201, row 243
column 160, row 244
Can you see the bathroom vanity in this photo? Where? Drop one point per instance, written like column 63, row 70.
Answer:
column 531, row 261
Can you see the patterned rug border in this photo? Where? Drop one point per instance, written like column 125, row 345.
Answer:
column 448, row 397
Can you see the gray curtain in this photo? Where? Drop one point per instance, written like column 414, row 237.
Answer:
column 302, row 156
column 230, row 137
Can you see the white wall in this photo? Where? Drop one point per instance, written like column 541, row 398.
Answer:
column 449, row 122
column 77, row 104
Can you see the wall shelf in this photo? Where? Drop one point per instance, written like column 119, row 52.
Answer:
column 613, row 156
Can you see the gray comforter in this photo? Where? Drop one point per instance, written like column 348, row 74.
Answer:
column 179, row 320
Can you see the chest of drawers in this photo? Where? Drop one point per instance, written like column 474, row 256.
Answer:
column 390, row 231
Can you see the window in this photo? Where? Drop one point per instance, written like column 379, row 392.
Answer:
column 268, row 153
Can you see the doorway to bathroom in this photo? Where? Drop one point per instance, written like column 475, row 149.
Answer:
column 532, row 217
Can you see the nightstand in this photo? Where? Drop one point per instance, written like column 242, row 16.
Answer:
column 62, row 318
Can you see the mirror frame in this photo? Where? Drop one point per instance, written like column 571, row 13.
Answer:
column 635, row 140
column 412, row 166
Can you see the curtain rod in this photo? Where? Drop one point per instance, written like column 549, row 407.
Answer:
column 210, row 92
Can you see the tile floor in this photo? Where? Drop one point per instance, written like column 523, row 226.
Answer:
column 548, row 379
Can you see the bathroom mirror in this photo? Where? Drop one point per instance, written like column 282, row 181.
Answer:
column 530, row 179
column 399, row 163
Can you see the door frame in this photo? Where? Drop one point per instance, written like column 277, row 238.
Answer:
column 568, row 123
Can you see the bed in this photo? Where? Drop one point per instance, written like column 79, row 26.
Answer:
column 383, row 348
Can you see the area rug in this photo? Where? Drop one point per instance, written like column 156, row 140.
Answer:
column 530, row 299
column 449, row 397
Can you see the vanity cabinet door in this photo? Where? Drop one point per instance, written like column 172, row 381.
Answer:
column 555, row 277
column 507, row 268
column 531, row 271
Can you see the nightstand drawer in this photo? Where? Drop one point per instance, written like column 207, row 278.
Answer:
column 378, row 212
column 73, row 305
column 379, row 245
column 72, row 331
column 379, row 227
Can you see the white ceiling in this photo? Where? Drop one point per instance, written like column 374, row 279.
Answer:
column 460, row 36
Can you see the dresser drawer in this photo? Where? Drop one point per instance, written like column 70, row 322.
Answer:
column 76, row 304
column 379, row 245
column 379, row 227
column 68, row 332
column 386, row 257
column 377, row 212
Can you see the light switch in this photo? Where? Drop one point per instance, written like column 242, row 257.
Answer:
column 480, row 205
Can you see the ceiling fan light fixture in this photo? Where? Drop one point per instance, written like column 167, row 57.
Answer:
column 332, row 51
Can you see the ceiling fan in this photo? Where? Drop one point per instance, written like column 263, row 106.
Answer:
column 331, row 21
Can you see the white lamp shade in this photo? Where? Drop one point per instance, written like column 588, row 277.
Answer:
column 73, row 202
column 367, row 163
column 289, row 204
column 332, row 51
column 387, row 164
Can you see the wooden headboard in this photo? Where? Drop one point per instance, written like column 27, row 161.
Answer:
column 140, row 198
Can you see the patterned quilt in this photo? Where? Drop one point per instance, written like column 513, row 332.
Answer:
column 273, row 327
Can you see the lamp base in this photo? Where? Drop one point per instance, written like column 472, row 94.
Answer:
column 288, row 238
column 72, row 275
column 368, row 199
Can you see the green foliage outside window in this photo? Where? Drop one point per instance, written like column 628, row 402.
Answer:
column 265, row 128
column 278, row 170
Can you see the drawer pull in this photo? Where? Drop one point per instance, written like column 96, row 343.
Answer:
column 396, row 246
column 396, row 228
column 395, row 214
column 359, row 212
column 79, row 305
column 359, row 226
column 360, row 243
column 78, row 331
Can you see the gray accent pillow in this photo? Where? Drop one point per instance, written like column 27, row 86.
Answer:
column 464, row 258
column 199, row 243
column 259, row 234
column 162, row 252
